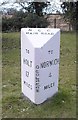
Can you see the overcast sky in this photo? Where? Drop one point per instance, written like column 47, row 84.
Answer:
column 40, row 0
column 29, row 0
column 55, row 5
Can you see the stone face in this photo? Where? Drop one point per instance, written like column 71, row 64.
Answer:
column 40, row 52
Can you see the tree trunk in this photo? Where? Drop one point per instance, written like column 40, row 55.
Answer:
column 55, row 23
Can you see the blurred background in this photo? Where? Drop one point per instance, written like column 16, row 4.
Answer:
column 17, row 14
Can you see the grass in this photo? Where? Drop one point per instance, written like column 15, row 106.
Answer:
column 0, row 78
column 62, row 105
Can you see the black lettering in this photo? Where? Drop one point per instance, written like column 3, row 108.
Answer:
column 51, row 62
column 27, row 32
column 42, row 33
column 49, row 51
column 37, row 66
column 27, row 51
column 45, row 87
column 47, row 63
column 30, row 30
column 27, row 62
column 48, row 86
column 50, row 75
column 37, row 74
column 37, row 79
column 28, row 85
column 48, row 33
column 44, row 64
column 56, row 61
column 27, row 73
column 24, row 61
column 51, row 84
column 37, row 83
column 24, row 82
column 30, row 63
column 39, row 30
column 36, row 32
column 52, row 33
column 37, row 71
column 37, row 90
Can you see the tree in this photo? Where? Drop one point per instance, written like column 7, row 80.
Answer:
column 32, row 17
column 33, row 20
column 11, row 11
column 21, row 19
column 34, row 7
column 35, row 16
column 7, row 24
column 69, row 10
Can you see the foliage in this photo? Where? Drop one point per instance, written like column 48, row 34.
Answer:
column 21, row 19
column 35, row 7
column 33, row 21
column 32, row 17
column 62, row 105
column 69, row 10
column 7, row 24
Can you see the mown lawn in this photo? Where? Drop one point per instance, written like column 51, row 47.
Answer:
column 62, row 105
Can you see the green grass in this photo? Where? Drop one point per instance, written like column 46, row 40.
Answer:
column 0, row 78
column 62, row 105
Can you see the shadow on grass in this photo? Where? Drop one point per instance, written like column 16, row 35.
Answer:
column 59, row 99
column 55, row 106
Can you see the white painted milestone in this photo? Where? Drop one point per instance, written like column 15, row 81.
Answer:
column 40, row 57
